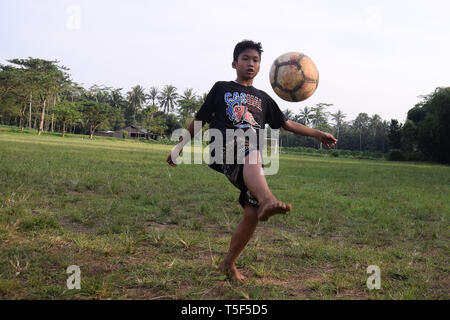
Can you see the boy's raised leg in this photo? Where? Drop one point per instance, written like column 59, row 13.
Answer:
column 239, row 240
column 256, row 183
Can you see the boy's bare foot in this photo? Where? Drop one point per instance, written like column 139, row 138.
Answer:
column 232, row 271
column 272, row 206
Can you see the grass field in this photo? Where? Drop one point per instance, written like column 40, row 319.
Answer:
column 140, row 229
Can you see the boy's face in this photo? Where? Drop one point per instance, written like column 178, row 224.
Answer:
column 248, row 64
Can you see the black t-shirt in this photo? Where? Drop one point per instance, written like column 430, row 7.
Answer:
column 230, row 105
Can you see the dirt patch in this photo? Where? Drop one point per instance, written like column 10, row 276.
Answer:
column 160, row 226
column 144, row 294
column 73, row 226
column 294, row 288
column 440, row 288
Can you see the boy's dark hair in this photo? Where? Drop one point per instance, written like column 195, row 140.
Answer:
column 244, row 45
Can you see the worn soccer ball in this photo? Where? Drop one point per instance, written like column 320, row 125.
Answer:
column 294, row 76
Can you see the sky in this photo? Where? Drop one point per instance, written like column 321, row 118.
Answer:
column 375, row 57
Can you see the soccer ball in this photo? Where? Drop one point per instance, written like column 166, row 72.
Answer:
column 294, row 76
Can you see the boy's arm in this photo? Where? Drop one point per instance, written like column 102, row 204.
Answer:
column 297, row 128
column 177, row 149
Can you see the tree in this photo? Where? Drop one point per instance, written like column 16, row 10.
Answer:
column 188, row 105
column 305, row 116
column 10, row 78
column 94, row 114
column 172, row 123
column 168, row 97
column 288, row 114
column 10, row 109
column 66, row 112
column 153, row 94
column 409, row 136
column 154, row 120
column 202, row 98
column 338, row 119
column 395, row 134
column 432, row 118
column 73, row 92
column 98, row 93
column 14, row 86
column 136, row 99
column 319, row 117
column 417, row 113
column 19, row 84
column 49, row 78
column 360, row 123
column 158, row 125
column 119, row 104
column 116, row 100
column 376, row 139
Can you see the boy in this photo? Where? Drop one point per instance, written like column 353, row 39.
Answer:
column 238, row 105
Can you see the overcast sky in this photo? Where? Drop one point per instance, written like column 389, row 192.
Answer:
column 373, row 56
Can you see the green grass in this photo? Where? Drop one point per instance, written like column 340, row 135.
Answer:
column 140, row 229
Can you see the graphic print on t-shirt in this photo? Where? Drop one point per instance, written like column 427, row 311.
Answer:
column 237, row 109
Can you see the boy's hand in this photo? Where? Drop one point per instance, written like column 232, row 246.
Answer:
column 327, row 139
column 169, row 160
column 173, row 155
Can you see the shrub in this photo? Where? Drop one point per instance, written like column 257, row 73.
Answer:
column 415, row 156
column 396, row 155
column 166, row 141
column 367, row 155
column 346, row 153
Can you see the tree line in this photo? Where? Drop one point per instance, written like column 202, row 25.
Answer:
column 39, row 94
column 425, row 135
column 364, row 133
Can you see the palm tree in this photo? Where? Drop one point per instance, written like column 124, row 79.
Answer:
column 374, row 122
column 168, row 97
column 375, row 127
column 360, row 123
column 304, row 116
column 153, row 94
column 319, row 118
column 188, row 94
column 201, row 99
column 116, row 99
column 136, row 99
column 288, row 114
column 338, row 118
column 98, row 93
column 188, row 103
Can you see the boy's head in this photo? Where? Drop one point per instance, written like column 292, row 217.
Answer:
column 245, row 45
column 247, row 59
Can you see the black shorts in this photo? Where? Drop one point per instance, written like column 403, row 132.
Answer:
column 235, row 174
